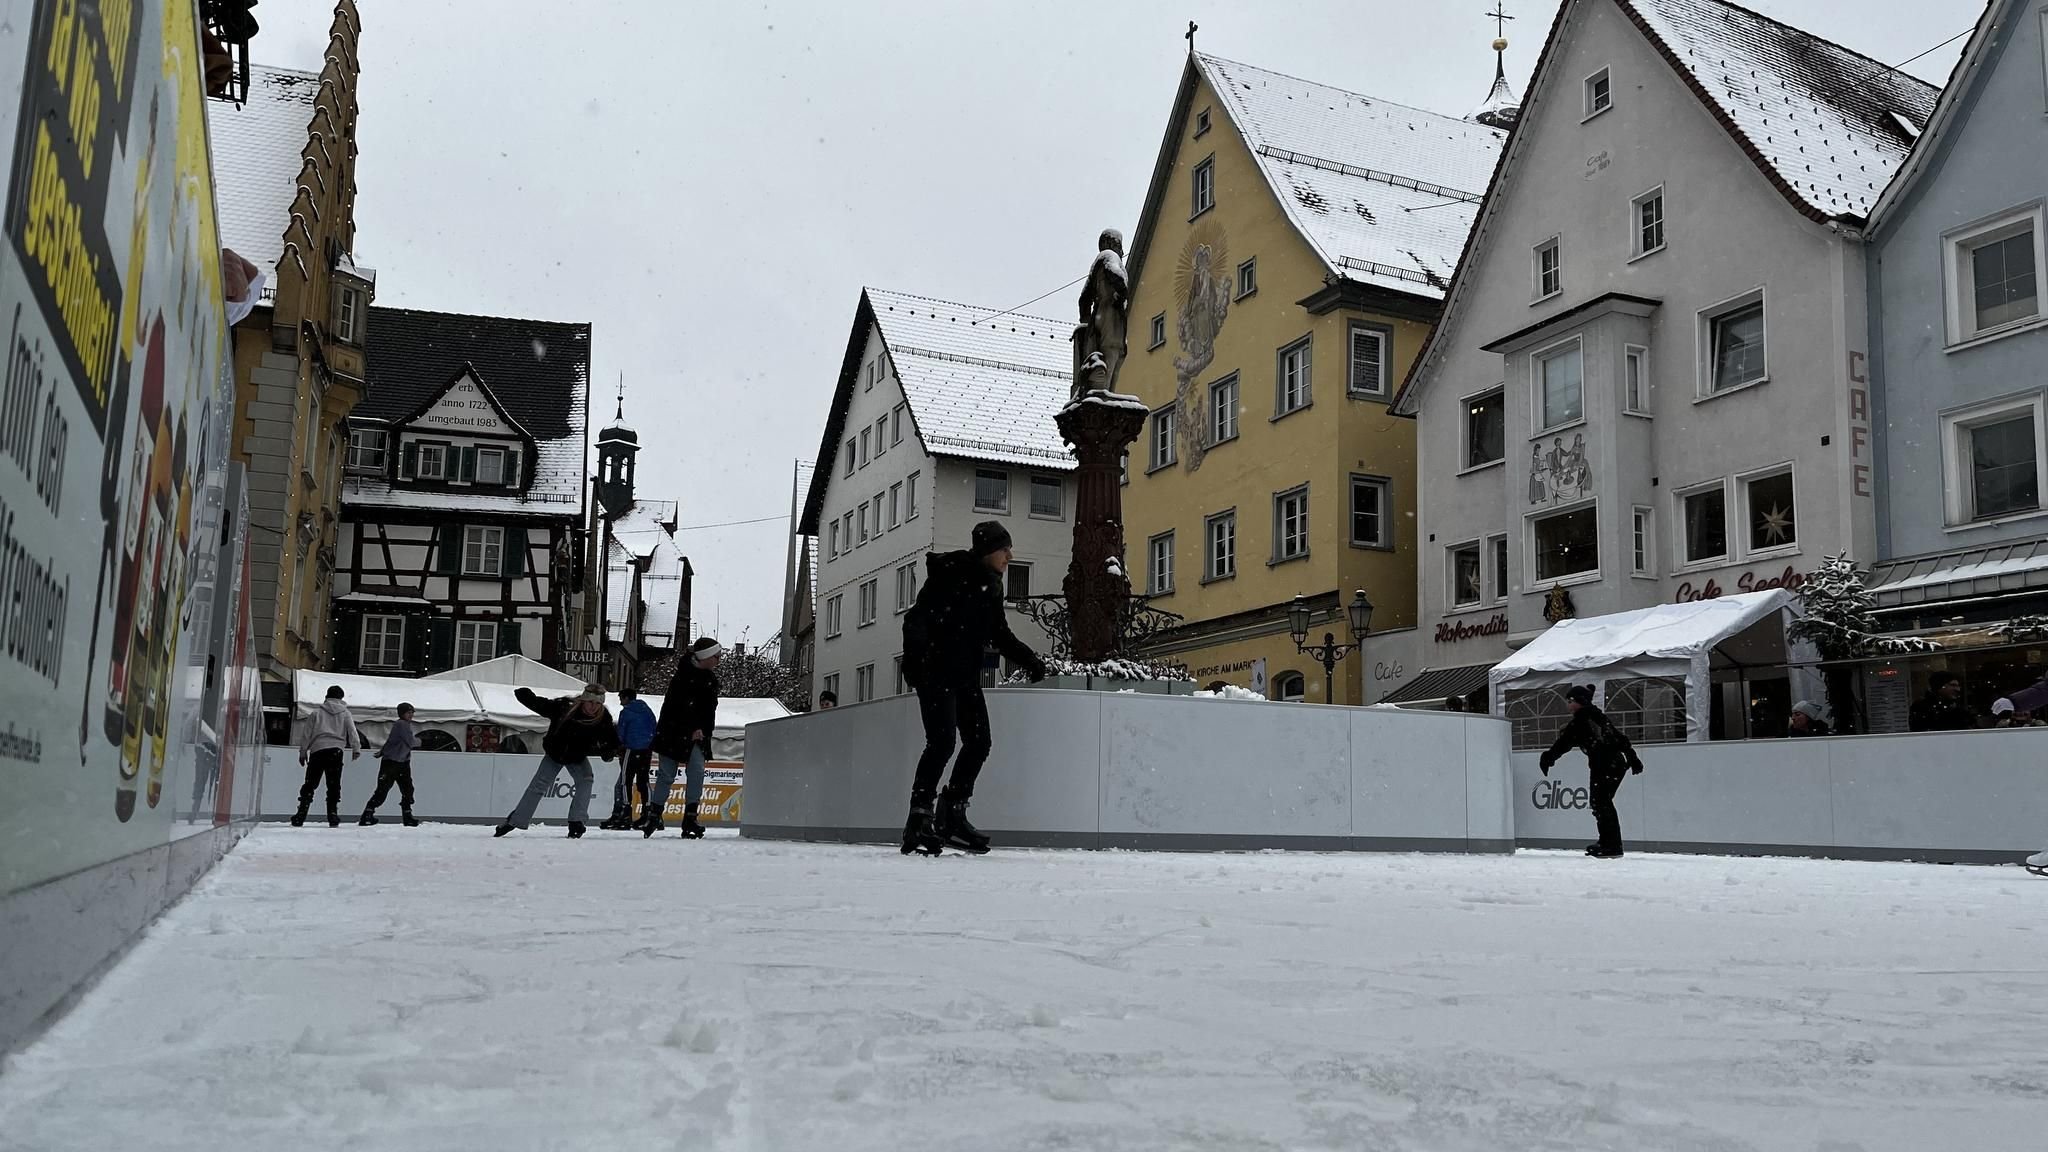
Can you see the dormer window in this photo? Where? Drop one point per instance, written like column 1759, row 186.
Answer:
column 352, row 291
column 366, row 449
column 433, row 462
column 490, row 466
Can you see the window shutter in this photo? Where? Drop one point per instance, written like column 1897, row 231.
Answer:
column 441, row 644
column 512, row 468
column 469, row 465
column 348, row 631
column 515, row 551
column 409, row 461
column 450, row 553
column 508, row 637
column 419, row 651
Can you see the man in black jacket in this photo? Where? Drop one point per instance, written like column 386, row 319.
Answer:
column 1611, row 757
column 579, row 726
column 1942, row 709
column 683, row 734
column 959, row 614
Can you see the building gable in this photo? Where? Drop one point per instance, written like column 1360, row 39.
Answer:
column 466, row 407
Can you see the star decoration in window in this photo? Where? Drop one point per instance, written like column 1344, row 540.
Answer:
column 1777, row 525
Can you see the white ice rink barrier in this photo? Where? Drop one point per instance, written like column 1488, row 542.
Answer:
column 1124, row 770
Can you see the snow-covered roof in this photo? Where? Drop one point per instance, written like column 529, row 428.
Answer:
column 1815, row 115
column 618, row 591
column 257, row 149
column 1989, row 571
column 538, row 372
column 1659, row 632
column 640, row 538
column 981, row 386
column 512, row 668
column 1352, row 171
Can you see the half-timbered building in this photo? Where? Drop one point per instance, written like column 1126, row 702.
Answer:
column 464, row 505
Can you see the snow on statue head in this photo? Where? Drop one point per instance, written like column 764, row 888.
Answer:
column 1111, row 240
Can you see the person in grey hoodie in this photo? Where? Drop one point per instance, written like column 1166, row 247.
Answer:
column 329, row 731
column 395, row 767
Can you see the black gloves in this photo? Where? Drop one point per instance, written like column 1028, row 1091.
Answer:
column 1544, row 763
column 1635, row 764
column 1036, row 670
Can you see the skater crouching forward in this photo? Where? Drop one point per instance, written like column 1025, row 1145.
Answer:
column 1611, row 757
column 689, row 713
column 579, row 726
column 959, row 614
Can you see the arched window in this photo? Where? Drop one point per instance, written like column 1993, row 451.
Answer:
column 1289, row 686
column 435, row 740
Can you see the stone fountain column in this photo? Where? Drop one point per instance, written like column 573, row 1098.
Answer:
column 1099, row 426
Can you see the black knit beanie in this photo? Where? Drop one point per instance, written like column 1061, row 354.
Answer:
column 1582, row 693
column 990, row 536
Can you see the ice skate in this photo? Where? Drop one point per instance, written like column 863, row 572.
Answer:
column 369, row 819
column 919, row 836
column 299, row 817
column 691, row 829
column 953, row 828
column 1599, row 853
column 501, row 830
column 575, row 830
column 650, row 823
column 2037, row 863
column 410, row 820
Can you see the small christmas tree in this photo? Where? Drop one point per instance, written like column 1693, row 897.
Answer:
column 1838, row 621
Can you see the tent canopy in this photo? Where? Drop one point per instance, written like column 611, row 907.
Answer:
column 1677, row 641
column 514, row 669
column 373, row 699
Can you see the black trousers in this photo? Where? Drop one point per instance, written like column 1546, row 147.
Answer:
column 391, row 772
column 952, row 712
column 1606, row 782
column 326, row 762
column 632, row 771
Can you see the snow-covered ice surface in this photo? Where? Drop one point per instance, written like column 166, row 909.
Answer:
column 436, row 989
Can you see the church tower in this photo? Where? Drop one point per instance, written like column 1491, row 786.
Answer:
column 1502, row 107
column 617, row 449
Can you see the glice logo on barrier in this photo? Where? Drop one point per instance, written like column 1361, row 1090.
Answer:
column 1549, row 794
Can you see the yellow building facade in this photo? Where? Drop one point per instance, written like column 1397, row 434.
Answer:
column 1290, row 258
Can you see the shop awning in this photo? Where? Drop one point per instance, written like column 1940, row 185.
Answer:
column 1434, row 685
column 1978, row 572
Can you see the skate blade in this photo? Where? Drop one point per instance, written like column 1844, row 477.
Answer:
column 969, row 847
column 2036, row 869
column 923, row 850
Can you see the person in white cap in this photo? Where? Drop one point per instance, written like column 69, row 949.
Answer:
column 683, row 734
column 1806, row 721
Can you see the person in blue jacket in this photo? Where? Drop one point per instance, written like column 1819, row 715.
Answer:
column 636, row 732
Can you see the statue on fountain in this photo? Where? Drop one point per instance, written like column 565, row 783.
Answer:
column 1100, row 340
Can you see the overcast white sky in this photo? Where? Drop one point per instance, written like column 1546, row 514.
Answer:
column 710, row 183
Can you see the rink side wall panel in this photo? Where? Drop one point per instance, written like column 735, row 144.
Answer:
column 1125, row 770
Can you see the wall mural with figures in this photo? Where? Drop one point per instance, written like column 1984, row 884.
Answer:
column 1201, row 288
column 124, row 675
column 1557, row 472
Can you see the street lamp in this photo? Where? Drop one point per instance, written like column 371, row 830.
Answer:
column 1329, row 651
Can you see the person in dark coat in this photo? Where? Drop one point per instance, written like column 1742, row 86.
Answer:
column 636, row 732
column 683, row 735
column 579, row 727
column 1942, row 709
column 959, row 614
column 1609, row 754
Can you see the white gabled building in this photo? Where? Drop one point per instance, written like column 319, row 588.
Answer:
column 463, row 503
column 942, row 417
column 646, row 575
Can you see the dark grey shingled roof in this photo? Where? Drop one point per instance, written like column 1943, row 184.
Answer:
column 538, row 369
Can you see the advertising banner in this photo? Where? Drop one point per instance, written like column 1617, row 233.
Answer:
column 113, row 413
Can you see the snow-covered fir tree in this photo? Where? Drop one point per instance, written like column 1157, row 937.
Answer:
column 1839, row 615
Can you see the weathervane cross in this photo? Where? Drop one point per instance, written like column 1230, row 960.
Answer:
column 1500, row 19
column 1192, row 26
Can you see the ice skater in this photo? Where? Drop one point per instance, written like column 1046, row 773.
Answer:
column 959, row 614
column 636, row 732
column 1609, row 754
column 689, row 713
column 578, row 727
column 394, row 766
column 330, row 730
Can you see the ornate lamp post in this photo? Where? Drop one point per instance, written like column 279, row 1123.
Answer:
column 1329, row 651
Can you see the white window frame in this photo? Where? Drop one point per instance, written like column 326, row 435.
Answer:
column 1017, row 569
column 1957, row 246
column 348, row 314
column 869, row 604
column 1642, row 541
column 881, row 435
column 383, row 643
column 861, row 516
column 1959, row 482
column 1598, row 91
column 1001, row 509
column 1159, row 331
column 832, row 539
column 358, row 458
column 846, row 532
column 478, row 638
column 1202, row 187
column 1451, row 553
column 1219, row 552
column 896, row 425
column 910, row 497
column 1280, row 687
column 906, row 587
column 1682, row 526
column 863, row 683
column 865, row 455
column 1538, row 582
column 1704, row 334
column 1639, row 403
column 831, row 685
column 1577, row 346
column 1497, row 558
column 1637, row 249
column 1059, row 497
column 1280, row 501
column 497, row 454
column 1555, row 246
column 1164, row 430
column 1299, row 357
column 1248, row 278
column 483, row 538
column 419, row 462
column 1385, row 487
column 1742, row 481
column 895, row 505
column 1385, row 336
column 852, row 460
column 1223, row 417
column 1158, row 576
column 1465, row 429
column 835, row 614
